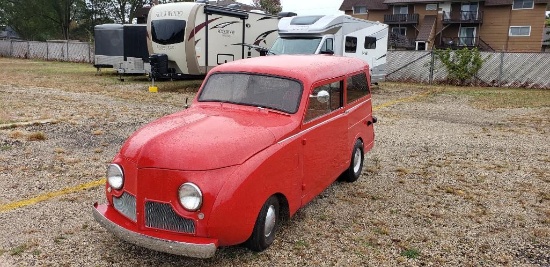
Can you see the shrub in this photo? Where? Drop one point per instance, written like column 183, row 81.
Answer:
column 462, row 64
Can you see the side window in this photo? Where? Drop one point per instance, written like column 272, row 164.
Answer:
column 351, row 44
column 370, row 42
column 328, row 45
column 357, row 87
column 324, row 99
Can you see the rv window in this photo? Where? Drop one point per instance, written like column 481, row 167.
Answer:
column 306, row 20
column 253, row 90
column 328, row 45
column 370, row 42
column 351, row 44
column 319, row 106
column 292, row 46
column 357, row 87
column 168, row 31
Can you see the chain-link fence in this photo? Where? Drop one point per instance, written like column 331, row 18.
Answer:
column 529, row 70
column 51, row 50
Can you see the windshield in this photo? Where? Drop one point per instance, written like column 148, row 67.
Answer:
column 253, row 90
column 168, row 31
column 292, row 46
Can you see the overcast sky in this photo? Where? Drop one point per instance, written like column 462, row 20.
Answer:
column 309, row 7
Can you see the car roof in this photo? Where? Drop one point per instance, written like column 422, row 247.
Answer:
column 307, row 68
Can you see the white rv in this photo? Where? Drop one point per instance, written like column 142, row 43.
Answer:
column 335, row 34
column 188, row 39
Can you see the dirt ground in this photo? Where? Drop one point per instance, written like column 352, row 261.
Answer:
column 452, row 180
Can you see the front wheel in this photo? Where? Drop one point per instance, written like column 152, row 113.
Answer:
column 266, row 226
column 356, row 164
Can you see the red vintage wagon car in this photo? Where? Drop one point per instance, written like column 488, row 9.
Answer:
column 262, row 138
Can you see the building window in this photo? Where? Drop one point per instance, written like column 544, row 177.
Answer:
column 351, row 44
column 431, row 7
column 399, row 30
column 523, row 4
column 467, row 36
column 468, row 11
column 520, row 31
column 370, row 42
column 359, row 10
column 400, row 10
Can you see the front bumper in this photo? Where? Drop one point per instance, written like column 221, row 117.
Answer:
column 193, row 247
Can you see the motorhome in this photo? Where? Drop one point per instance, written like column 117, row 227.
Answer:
column 188, row 39
column 335, row 34
column 122, row 47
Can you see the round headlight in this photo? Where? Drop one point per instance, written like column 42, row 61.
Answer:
column 115, row 176
column 190, row 196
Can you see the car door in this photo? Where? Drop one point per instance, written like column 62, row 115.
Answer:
column 359, row 110
column 324, row 138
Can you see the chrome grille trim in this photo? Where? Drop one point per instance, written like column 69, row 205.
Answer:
column 126, row 204
column 162, row 216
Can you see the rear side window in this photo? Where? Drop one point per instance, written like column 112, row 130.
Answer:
column 168, row 31
column 357, row 87
column 324, row 99
column 351, row 44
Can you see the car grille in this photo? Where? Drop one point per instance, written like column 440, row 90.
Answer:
column 126, row 204
column 161, row 216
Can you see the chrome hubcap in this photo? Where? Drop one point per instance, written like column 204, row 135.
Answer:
column 270, row 219
column 357, row 160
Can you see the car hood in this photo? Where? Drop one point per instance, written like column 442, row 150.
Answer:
column 197, row 141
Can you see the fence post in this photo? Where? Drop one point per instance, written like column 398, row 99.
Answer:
column 430, row 79
column 47, row 50
column 68, row 59
column 11, row 48
column 89, row 53
column 501, row 68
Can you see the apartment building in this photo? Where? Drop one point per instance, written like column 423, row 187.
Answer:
column 490, row 25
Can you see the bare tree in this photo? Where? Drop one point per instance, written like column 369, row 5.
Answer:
column 269, row 6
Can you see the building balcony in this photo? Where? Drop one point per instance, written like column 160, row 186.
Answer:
column 398, row 41
column 472, row 17
column 464, row 42
column 401, row 19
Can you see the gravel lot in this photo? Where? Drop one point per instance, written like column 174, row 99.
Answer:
column 447, row 184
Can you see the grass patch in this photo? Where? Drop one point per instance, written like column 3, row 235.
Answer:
column 36, row 136
column 83, row 77
column 301, row 244
column 410, row 253
column 18, row 250
column 493, row 98
column 59, row 239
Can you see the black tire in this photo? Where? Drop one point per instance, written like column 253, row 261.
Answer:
column 267, row 221
column 356, row 163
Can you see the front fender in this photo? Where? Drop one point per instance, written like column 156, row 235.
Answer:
column 274, row 170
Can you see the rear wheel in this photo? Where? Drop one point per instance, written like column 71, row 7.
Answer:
column 356, row 163
column 266, row 226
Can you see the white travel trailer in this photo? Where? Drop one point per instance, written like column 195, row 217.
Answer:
column 188, row 39
column 335, row 34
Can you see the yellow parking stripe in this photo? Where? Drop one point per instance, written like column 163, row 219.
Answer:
column 44, row 197
column 68, row 190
